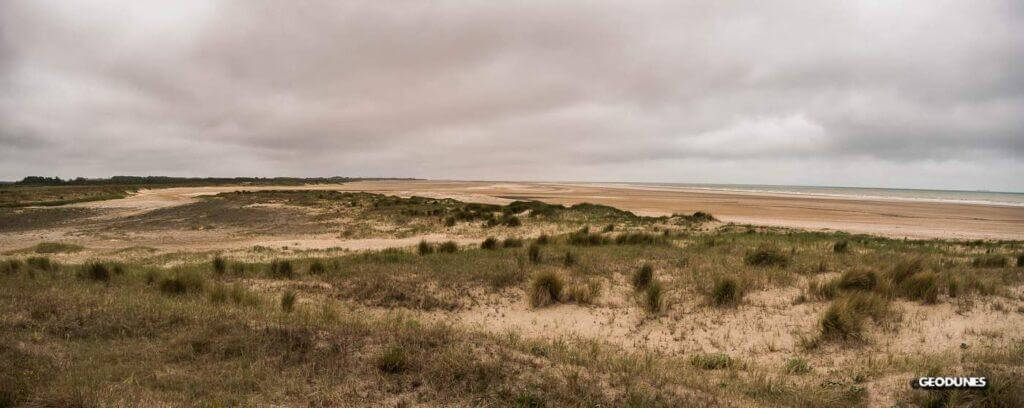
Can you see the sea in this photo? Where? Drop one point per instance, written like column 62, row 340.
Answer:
column 908, row 194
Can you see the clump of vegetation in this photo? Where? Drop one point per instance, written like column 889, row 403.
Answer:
column 56, row 248
column 533, row 252
column 182, row 282
column 543, row 239
column 41, row 263
column 990, row 261
column 639, row 238
column 512, row 221
column 587, row 238
column 766, row 256
column 1020, row 261
column 288, row 301
column 393, row 360
column 905, row 268
column 448, row 247
column 512, row 243
column 642, row 277
column 489, row 243
column 569, row 259
column 96, row 271
column 798, row 366
column 10, row 266
column 545, row 289
column 219, row 265
column 424, row 248
column 281, row 269
column 844, row 319
column 711, row 361
column 608, row 228
column 841, row 246
column 317, row 267
column 921, row 286
column 449, row 221
column 652, row 297
column 583, row 292
column 726, row 292
column 857, row 279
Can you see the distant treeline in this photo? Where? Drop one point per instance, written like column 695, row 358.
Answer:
column 164, row 180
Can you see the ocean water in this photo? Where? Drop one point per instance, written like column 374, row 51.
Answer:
column 951, row 196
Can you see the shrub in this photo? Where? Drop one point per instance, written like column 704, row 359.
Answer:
column 533, row 252
column 545, row 289
column 711, row 361
column 392, row 361
column 449, row 222
column 424, row 248
column 41, row 263
column 609, row 228
column 921, row 286
column 797, row 365
column 448, row 247
column 489, row 243
column 288, row 301
column 642, row 277
column 543, row 239
column 317, row 268
column 726, row 292
column 219, row 265
column 512, row 243
column 96, row 271
column 766, row 256
column 569, row 259
column 587, row 239
column 512, row 221
column 990, row 261
column 10, row 266
column 841, row 246
column 281, row 269
column 857, row 279
column 181, row 282
column 652, row 297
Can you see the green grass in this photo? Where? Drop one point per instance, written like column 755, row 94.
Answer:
column 288, row 301
column 766, row 256
column 727, row 291
column 797, row 366
column 55, row 248
column 711, row 361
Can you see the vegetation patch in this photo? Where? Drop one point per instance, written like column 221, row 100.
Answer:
column 766, row 256
column 726, row 291
column 642, row 276
column 545, row 289
column 711, row 361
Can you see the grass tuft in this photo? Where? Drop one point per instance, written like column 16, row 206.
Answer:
column 921, row 286
column 726, row 292
column 282, row 269
column 798, row 366
column 766, row 256
column 512, row 243
column 639, row 238
column 424, row 248
column 569, row 259
column 844, row 319
column 489, row 243
column 711, row 361
column 10, row 266
column 653, row 297
column 317, row 267
column 392, row 361
column 96, row 271
column 841, row 246
column 41, row 263
column 448, row 247
column 857, row 279
column 219, row 265
column 181, row 282
column 543, row 239
column 55, row 248
column 642, row 277
column 533, row 252
column 288, row 301
column 990, row 261
column 545, row 289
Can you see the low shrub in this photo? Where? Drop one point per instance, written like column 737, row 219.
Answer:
column 512, row 243
column 281, row 269
column 726, row 292
column 766, row 256
column 288, row 301
column 489, row 243
column 642, row 277
column 990, row 261
column 545, row 289
column 711, row 361
column 448, row 247
column 841, row 246
column 219, row 265
column 652, row 297
column 424, row 248
column 393, row 360
column 533, row 252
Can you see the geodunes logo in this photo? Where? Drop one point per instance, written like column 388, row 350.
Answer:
column 944, row 383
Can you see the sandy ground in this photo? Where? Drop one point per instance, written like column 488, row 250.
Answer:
column 894, row 218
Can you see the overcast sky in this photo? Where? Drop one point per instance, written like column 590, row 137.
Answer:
column 925, row 94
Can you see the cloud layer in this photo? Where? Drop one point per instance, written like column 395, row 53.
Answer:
column 868, row 94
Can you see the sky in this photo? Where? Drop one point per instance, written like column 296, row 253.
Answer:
column 915, row 94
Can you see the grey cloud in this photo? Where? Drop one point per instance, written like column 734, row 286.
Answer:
column 772, row 92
